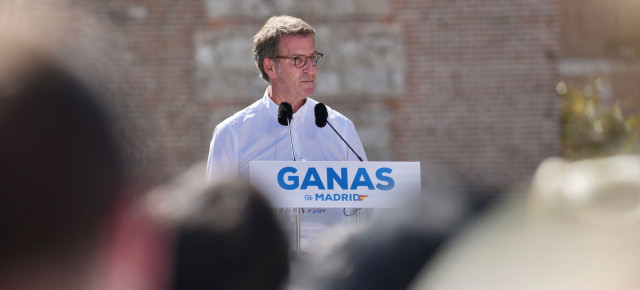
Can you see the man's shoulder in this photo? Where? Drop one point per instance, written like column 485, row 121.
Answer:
column 236, row 120
column 333, row 115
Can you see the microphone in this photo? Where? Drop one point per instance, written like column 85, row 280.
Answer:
column 285, row 114
column 321, row 115
column 321, row 120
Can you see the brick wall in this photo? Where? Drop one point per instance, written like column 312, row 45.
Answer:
column 464, row 85
column 479, row 95
column 169, row 117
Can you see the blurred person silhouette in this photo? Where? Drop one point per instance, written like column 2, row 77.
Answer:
column 67, row 214
column 386, row 254
column 223, row 235
column 577, row 227
column 62, row 175
column 389, row 252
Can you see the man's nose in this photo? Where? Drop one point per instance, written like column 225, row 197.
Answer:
column 310, row 68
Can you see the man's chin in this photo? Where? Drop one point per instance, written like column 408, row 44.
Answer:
column 308, row 91
column 308, row 94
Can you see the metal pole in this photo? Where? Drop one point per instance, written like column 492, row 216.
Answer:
column 293, row 158
column 293, row 154
column 298, row 231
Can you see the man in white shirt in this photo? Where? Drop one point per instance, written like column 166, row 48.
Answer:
column 286, row 57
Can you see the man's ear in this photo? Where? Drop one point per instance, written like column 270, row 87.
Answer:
column 269, row 67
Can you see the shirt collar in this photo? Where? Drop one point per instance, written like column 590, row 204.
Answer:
column 272, row 108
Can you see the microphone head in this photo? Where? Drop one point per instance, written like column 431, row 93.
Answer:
column 285, row 113
column 321, row 115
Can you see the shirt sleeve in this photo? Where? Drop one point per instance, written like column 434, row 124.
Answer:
column 223, row 154
column 351, row 135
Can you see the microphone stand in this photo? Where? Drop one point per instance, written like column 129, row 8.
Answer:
column 286, row 113
column 297, row 209
column 359, row 158
column 321, row 109
column 345, row 142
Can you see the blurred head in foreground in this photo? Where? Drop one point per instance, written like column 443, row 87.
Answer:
column 225, row 236
column 578, row 228
column 389, row 251
column 384, row 256
column 61, row 171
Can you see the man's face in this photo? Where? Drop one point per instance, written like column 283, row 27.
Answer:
column 292, row 82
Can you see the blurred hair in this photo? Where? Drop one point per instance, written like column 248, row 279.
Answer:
column 385, row 255
column 91, row 48
column 61, row 169
column 575, row 227
column 266, row 42
column 229, row 238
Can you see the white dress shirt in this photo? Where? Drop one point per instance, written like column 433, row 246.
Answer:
column 255, row 134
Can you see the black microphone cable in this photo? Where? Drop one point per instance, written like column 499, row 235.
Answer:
column 322, row 120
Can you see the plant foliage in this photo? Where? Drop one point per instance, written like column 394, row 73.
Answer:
column 592, row 129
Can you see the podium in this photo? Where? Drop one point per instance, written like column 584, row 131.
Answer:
column 336, row 184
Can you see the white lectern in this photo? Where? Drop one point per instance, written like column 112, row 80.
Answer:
column 336, row 184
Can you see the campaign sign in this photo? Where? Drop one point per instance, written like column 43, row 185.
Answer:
column 336, row 183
